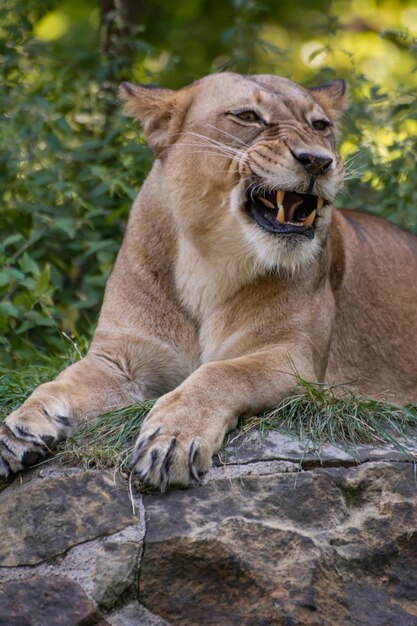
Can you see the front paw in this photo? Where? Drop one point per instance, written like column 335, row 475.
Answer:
column 164, row 457
column 27, row 436
column 17, row 454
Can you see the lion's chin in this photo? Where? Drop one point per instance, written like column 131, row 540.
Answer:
column 288, row 253
column 287, row 213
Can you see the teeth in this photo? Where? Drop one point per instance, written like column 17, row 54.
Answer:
column 281, row 214
column 320, row 202
column 310, row 218
column 280, row 197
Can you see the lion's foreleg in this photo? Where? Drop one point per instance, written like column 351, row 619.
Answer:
column 108, row 378
column 187, row 426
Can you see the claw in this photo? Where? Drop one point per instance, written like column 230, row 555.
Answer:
column 139, row 449
column 29, row 458
column 154, row 458
column 166, row 464
column 191, row 460
column 23, row 434
column 5, row 470
column 8, row 448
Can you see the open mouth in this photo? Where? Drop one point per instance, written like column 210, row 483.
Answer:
column 285, row 212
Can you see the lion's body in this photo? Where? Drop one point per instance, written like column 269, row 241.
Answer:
column 365, row 282
column 214, row 301
column 374, row 340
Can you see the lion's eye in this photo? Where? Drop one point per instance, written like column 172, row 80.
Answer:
column 320, row 124
column 248, row 116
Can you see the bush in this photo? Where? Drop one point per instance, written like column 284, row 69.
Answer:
column 71, row 165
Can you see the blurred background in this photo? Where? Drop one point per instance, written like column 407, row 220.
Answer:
column 70, row 164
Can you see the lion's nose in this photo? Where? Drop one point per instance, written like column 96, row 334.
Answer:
column 314, row 164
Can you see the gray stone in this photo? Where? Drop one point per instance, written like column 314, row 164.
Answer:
column 134, row 614
column 329, row 547
column 273, row 445
column 46, row 601
column 304, row 498
column 43, row 518
column 115, row 571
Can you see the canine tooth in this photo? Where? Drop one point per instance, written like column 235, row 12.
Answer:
column 280, row 197
column 310, row 218
column 281, row 214
column 320, row 202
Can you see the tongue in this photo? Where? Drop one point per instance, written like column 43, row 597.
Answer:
column 289, row 212
column 267, row 203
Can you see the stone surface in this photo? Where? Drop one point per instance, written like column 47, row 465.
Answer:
column 273, row 445
column 260, row 543
column 115, row 571
column 42, row 518
column 328, row 547
column 134, row 614
column 46, row 601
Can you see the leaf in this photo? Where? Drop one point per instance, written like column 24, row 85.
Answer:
column 10, row 275
column 66, row 224
column 42, row 283
column 28, row 265
column 34, row 319
column 11, row 239
column 8, row 309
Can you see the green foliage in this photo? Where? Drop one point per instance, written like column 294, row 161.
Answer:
column 69, row 171
column 70, row 164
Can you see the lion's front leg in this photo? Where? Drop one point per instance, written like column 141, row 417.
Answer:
column 110, row 377
column 55, row 409
column 187, row 426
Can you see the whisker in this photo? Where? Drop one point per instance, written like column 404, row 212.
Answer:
column 205, row 152
column 214, row 142
column 354, row 174
column 229, row 135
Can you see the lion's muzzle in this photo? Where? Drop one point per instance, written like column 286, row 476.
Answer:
column 284, row 212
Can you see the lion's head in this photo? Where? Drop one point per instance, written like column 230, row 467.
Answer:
column 250, row 156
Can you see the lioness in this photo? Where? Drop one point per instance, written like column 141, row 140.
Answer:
column 235, row 271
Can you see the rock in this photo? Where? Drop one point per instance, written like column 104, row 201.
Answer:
column 255, row 446
column 42, row 518
column 260, row 543
column 116, row 570
column 328, row 547
column 46, row 601
column 133, row 614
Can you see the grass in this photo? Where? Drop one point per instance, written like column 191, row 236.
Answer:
column 320, row 414
column 317, row 414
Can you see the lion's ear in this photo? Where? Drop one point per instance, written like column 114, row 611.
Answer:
column 333, row 97
column 154, row 108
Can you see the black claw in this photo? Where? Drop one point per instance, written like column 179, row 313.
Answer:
column 30, row 457
column 5, row 469
column 139, row 475
column 166, row 463
column 191, row 460
column 20, row 433
column 137, row 453
column 48, row 440
column 154, row 458
column 63, row 420
column 8, row 448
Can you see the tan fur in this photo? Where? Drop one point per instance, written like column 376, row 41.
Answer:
column 211, row 312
